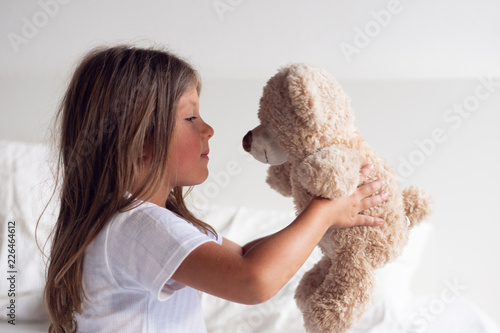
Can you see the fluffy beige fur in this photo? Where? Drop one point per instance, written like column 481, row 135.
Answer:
column 308, row 137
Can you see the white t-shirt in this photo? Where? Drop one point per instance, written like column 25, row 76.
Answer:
column 127, row 275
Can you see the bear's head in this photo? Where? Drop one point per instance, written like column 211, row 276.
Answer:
column 302, row 109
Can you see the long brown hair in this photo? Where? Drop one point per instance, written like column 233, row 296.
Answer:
column 117, row 98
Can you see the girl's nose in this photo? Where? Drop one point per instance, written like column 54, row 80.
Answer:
column 209, row 131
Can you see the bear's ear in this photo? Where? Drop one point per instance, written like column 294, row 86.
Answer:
column 318, row 99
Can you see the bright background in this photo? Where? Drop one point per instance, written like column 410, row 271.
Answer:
column 407, row 72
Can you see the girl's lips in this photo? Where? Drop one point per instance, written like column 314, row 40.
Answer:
column 205, row 154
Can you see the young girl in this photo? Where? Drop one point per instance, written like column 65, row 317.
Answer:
column 127, row 255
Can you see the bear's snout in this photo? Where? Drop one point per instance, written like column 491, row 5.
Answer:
column 247, row 141
column 260, row 143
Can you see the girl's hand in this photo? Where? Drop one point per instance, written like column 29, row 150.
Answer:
column 344, row 212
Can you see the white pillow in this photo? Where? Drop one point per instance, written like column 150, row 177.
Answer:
column 25, row 187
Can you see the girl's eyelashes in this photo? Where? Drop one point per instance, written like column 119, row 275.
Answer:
column 191, row 118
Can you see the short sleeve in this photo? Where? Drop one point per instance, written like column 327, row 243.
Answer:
column 145, row 246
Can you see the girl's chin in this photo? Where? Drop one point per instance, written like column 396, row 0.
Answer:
column 201, row 179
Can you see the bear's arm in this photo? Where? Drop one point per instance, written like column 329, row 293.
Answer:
column 278, row 177
column 331, row 172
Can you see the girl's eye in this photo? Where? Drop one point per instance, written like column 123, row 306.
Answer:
column 190, row 119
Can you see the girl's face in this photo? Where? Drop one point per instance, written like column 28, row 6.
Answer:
column 188, row 151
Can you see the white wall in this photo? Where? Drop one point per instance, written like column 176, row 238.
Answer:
column 430, row 58
column 420, row 39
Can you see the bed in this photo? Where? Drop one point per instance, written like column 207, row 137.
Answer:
column 26, row 182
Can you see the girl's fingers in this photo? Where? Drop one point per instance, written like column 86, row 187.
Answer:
column 371, row 188
column 365, row 172
column 373, row 200
column 368, row 198
column 368, row 220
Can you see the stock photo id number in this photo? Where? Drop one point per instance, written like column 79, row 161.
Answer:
column 11, row 271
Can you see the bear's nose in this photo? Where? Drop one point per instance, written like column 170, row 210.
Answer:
column 247, row 141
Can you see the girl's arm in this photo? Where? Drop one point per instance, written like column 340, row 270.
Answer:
column 259, row 273
column 241, row 250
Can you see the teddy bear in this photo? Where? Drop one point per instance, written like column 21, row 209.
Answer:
column 307, row 136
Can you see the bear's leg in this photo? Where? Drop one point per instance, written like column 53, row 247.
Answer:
column 311, row 280
column 343, row 297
